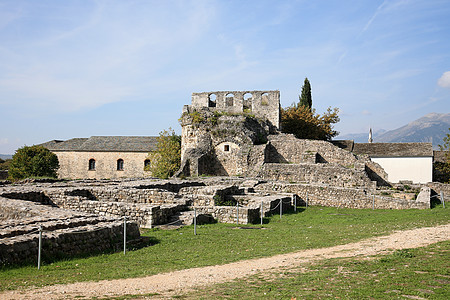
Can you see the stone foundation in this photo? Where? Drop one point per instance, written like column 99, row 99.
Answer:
column 65, row 233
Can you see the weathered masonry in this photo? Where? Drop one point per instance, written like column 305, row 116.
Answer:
column 262, row 104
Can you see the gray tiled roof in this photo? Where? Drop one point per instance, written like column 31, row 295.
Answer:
column 105, row 143
column 394, row 149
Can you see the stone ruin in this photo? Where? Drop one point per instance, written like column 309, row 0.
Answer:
column 234, row 137
column 83, row 217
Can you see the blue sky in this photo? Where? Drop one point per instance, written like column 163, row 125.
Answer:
column 82, row 68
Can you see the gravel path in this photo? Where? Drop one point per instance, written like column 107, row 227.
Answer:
column 182, row 281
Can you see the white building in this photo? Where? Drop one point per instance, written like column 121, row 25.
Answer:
column 401, row 161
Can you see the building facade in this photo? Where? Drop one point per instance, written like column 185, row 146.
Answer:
column 103, row 157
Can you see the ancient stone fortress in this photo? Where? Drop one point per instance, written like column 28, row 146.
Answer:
column 239, row 166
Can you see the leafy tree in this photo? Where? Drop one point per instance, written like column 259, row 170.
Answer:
column 33, row 161
column 4, row 164
column 301, row 119
column 305, row 97
column 443, row 168
column 166, row 159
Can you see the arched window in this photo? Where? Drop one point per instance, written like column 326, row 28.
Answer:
column 120, row 164
column 265, row 99
column 147, row 165
column 229, row 100
column 92, row 164
column 248, row 102
column 212, row 100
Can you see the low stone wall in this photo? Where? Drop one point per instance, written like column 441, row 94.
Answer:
column 287, row 148
column 132, row 202
column 251, row 212
column 438, row 187
column 228, row 214
column 342, row 197
column 65, row 233
column 330, row 174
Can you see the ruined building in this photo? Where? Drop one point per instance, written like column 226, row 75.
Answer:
column 236, row 135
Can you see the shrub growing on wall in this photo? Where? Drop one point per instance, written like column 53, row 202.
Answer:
column 33, row 161
column 166, row 159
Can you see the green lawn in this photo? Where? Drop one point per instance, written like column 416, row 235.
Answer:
column 222, row 243
column 421, row 273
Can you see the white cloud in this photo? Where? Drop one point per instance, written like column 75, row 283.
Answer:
column 366, row 113
column 4, row 141
column 444, row 81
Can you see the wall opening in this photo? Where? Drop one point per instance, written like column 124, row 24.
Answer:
column 229, row 100
column 212, row 100
column 248, row 102
column 92, row 164
column 120, row 164
column 147, row 165
column 226, row 148
column 265, row 99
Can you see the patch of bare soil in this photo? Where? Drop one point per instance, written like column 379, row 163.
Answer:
column 182, row 281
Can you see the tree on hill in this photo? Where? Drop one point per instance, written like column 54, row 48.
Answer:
column 301, row 119
column 166, row 159
column 305, row 97
column 33, row 161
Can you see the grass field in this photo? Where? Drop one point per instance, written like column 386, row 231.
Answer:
column 214, row 244
column 421, row 273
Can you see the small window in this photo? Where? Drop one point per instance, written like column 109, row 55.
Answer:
column 147, row 165
column 226, row 148
column 120, row 164
column 92, row 164
column 212, row 100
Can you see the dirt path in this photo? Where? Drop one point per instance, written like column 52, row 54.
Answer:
column 182, row 281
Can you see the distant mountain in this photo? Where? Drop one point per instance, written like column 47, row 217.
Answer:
column 431, row 128
column 5, row 156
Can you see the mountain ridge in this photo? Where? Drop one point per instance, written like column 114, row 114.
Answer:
column 431, row 128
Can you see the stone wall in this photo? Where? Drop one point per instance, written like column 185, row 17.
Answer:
column 438, row 187
column 146, row 207
column 341, row 197
column 263, row 104
column 330, row 174
column 221, row 144
column 75, row 164
column 287, row 148
column 65, row 233
column 249, row 209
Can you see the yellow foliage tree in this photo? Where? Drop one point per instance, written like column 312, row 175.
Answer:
column 304, row 123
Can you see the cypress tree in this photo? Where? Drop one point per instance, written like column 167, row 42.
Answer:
column 305, row 97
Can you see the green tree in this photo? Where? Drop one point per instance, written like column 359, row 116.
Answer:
column 33, row 161
column 305, row 97
column 4, row 164
column 166, row 159
column 443, row 168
